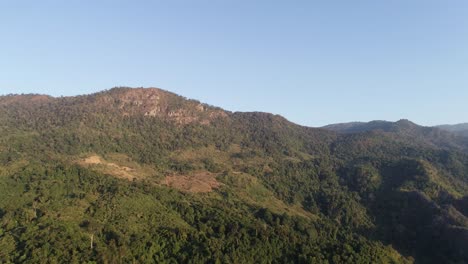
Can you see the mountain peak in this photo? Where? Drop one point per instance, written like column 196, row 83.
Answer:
column 155, row 102
column 122, row 101
column 138, row 91
column 405, row 123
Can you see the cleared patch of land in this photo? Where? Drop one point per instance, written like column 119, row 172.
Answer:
column 122, row 167
column 119, row 171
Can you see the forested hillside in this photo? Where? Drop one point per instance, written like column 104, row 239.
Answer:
column 147, row 176
column 461, row 129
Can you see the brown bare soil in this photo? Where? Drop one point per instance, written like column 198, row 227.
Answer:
column 199, row 182
column 110, row 168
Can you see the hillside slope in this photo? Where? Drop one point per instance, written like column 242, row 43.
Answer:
column 144, row 175
column 461, row 129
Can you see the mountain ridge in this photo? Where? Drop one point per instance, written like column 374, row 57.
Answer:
column 136, row 96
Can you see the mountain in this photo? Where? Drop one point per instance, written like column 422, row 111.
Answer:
column 147, row 176
column 461, row 129
column 438, row 136
column 378, row 125
column 353, row 127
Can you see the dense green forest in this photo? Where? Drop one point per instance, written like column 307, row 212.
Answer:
column 147, row 176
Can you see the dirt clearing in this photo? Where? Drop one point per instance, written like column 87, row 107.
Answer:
column 118, row 171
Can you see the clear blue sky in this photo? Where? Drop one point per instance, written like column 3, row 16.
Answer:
column 314, row 62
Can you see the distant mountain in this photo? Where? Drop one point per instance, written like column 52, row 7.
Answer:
column 461, row 129
column 386, row 126
column 147, row 176
column 405, row 129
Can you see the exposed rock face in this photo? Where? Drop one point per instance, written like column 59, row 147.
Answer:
column 153, row 102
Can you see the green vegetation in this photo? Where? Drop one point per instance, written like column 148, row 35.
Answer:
column 287, row 194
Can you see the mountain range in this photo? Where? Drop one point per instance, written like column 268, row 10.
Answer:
column 142, row 175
